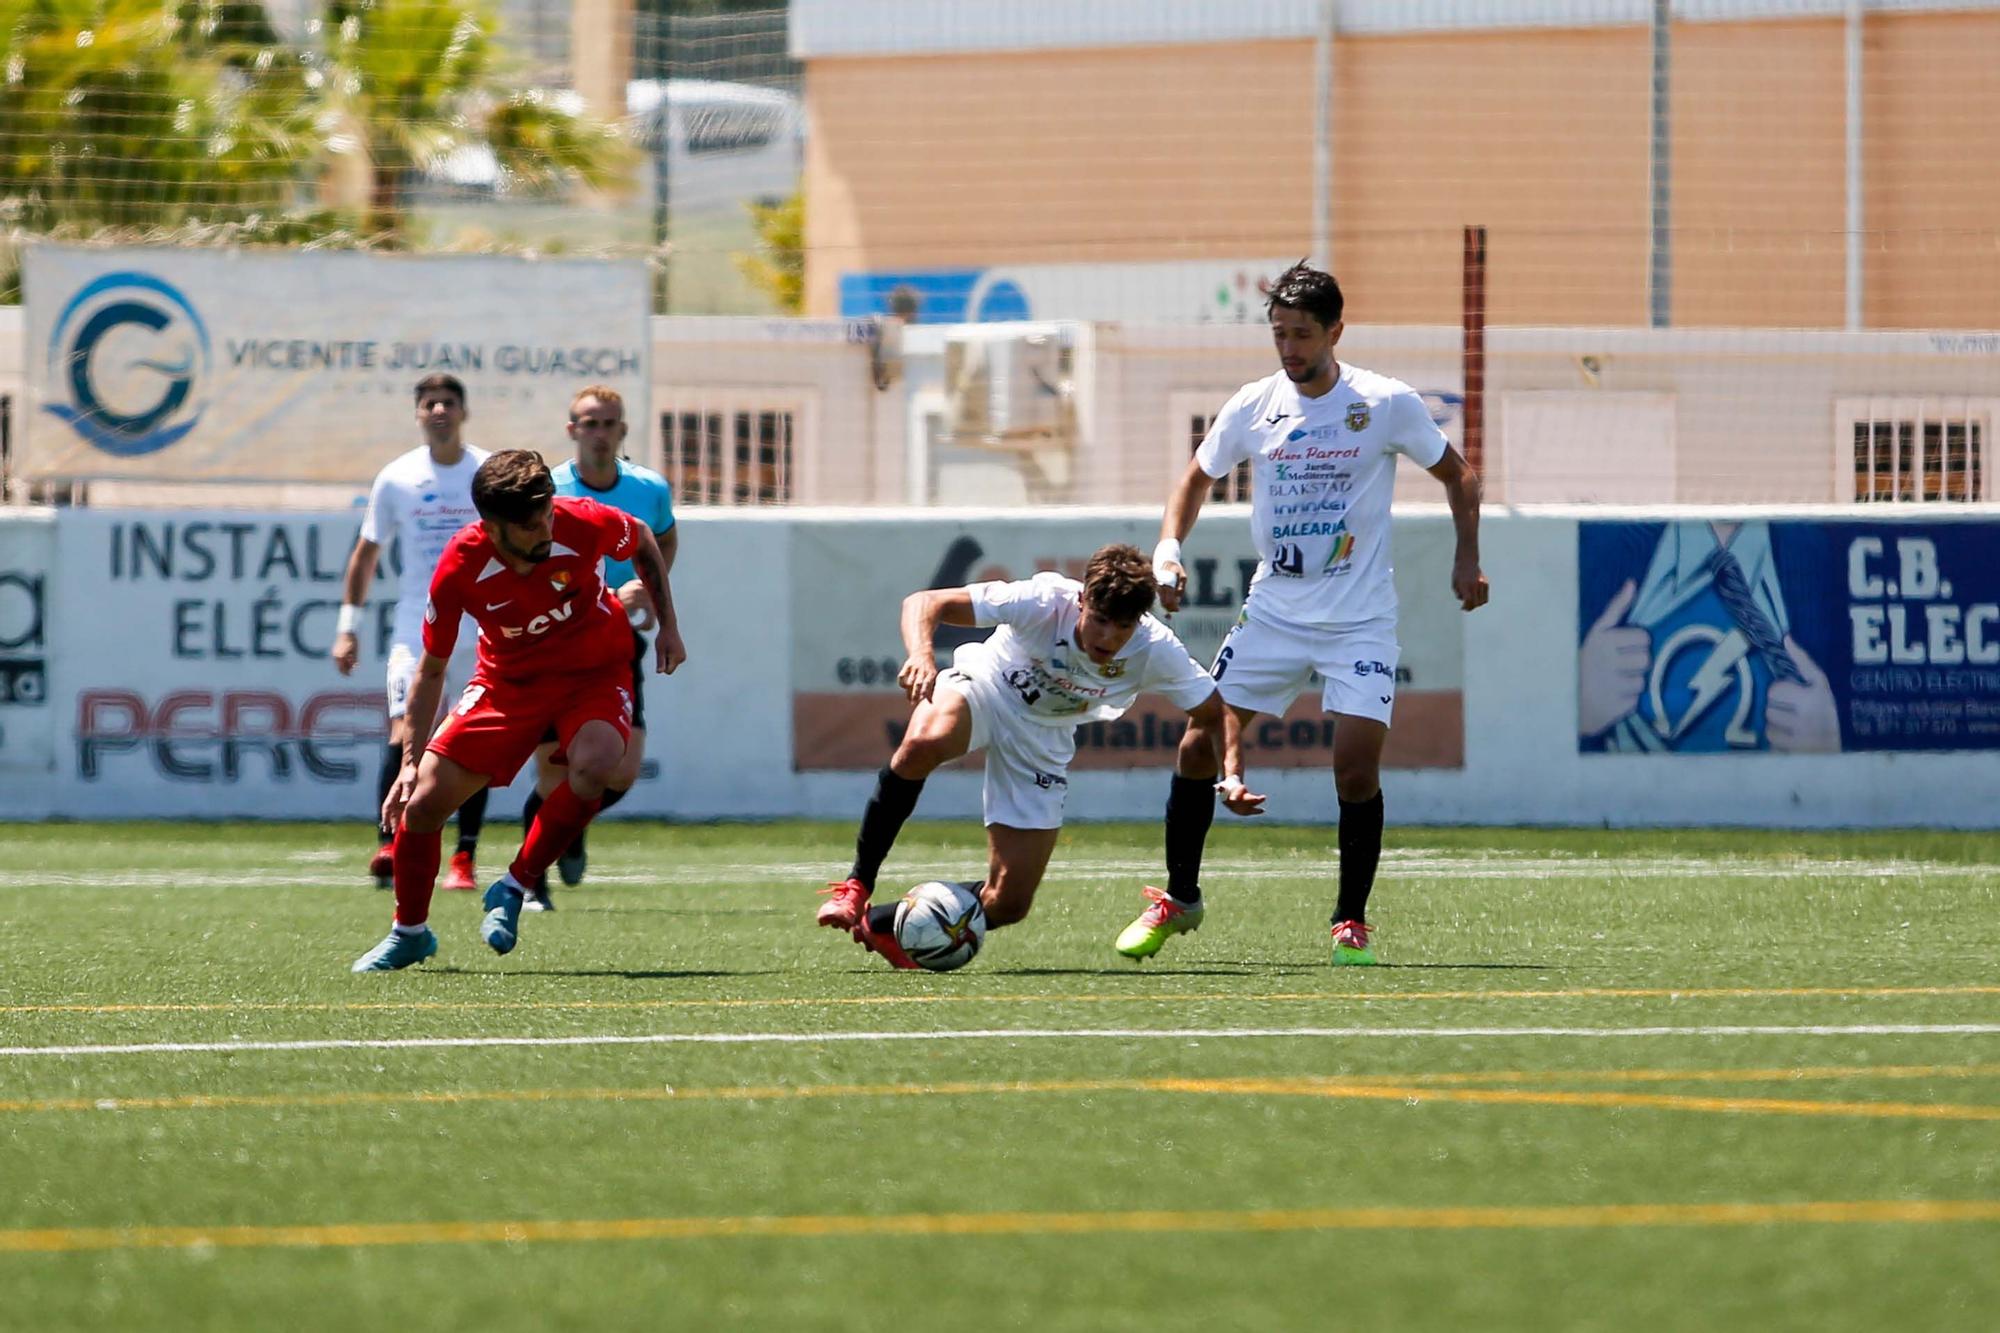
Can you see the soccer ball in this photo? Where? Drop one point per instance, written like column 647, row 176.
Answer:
column 940, row 925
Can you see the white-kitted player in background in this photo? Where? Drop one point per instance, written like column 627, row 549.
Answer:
column 420, row 500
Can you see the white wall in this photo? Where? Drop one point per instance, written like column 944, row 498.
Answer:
column 722, row 726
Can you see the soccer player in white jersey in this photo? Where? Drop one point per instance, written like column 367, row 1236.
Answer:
column 1321, row 439
column 420, row 499
column 1064, row 653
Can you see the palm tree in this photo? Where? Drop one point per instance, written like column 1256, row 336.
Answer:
column 190, row 119
column 778, row 267
column 402, row 85
column 137, row 113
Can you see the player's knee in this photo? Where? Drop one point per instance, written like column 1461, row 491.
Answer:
column 427, row 811
column 918, row 756
column 590, row 776
column 1357, row 782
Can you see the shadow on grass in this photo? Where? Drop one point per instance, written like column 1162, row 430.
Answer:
column 620, row 973
column 1150, row 970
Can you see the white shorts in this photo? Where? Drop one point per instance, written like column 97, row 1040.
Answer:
column 403, row 659
column 1027, row 763
column 1263, row 667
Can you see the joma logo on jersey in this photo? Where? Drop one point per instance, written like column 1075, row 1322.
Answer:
column 540, row 624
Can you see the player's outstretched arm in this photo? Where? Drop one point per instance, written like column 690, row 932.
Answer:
column 353, row 594
column 668, row 650
column 1183, row 508
column 1225, row 730
column 923, row 612
column 1461, row 488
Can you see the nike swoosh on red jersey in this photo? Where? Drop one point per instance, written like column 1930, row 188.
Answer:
column 495, row 606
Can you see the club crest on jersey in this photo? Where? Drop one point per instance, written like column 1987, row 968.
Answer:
column 1357, row 416
column 1112, row 670
column 560, row 580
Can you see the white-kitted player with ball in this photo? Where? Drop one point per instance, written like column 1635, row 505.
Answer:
column 1062, row 653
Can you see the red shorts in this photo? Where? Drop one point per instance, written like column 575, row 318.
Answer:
column 495, row 725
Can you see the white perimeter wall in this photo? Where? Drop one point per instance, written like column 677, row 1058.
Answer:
column 722, row 726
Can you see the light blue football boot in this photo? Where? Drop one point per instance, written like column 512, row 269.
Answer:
column 398, row 951
column 501, row 928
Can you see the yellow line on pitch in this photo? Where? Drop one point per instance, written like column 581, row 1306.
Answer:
column 1418, row 1092
column 1404, row 1088
column 961, row 997
column 521, row 1232
column 1805, row 1073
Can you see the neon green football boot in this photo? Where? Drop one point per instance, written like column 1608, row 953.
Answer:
column 1163, row 919
column 1350, row 945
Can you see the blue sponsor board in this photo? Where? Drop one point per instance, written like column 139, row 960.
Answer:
column 1798, row 636
column 933, row 296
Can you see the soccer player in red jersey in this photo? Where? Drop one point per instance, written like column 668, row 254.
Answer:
column 555, row 652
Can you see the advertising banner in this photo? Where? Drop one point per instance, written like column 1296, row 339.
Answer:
column 1195, row 291
column 850, row 578
column 1794, row 635
column 27, row 547
column 193, row 365
column 189, row 669
column 194, row 656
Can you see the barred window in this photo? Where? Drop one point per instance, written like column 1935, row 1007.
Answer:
column 1917, row 451
column 1233, row 488
column 738, row 456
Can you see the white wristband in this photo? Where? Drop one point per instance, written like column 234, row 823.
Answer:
column 1168, row 551
column 1230, row 786
column 348, row 619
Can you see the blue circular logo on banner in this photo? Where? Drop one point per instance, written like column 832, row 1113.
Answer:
column 127, row 354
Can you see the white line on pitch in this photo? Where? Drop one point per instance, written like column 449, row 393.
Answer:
column 1007, row 1034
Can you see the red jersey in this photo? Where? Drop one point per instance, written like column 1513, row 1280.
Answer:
column 557, row 617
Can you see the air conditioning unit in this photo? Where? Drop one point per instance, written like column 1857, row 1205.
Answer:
column 1007, row 389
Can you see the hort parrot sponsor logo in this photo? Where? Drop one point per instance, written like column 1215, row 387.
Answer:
column 127, row 357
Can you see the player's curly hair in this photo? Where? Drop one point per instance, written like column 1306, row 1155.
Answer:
column 512, row 486
column 1305, row 288
column 1118, row 584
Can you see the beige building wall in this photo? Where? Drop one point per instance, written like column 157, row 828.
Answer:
column 1933, row 198
column 1192, row 151
column 1760, row 171
column 1165, row 152
column 1501, row 129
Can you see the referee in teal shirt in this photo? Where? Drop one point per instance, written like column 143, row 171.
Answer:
column 597, row 427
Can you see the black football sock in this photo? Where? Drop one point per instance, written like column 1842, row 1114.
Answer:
column 529, row 808
column 882, row 920
column 472, row 818
column 1360, row 850
column 612, row 796
column 1190, row 810
column 392, row 767
column 891, row 804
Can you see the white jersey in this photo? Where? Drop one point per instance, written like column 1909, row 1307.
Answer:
column 1322, row 474
column 422, row 505
column 1053, row 681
